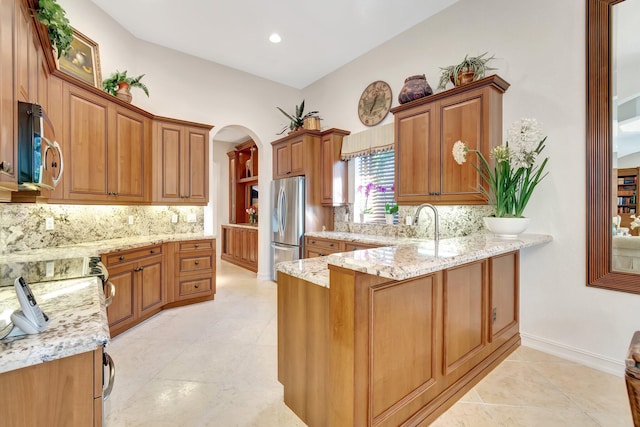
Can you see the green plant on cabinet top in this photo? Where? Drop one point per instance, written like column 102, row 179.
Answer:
column 53, row 16
column 110, row 84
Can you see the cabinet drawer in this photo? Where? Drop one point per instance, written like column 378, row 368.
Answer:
column 196, row 245
column 192, row 287
column 116, row 258
column 348, row 247
column 196, row 263
column 330, row 245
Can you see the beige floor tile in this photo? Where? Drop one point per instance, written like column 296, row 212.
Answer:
column 215, row 364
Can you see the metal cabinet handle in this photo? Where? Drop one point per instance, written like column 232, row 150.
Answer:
column 112, row 293
column 196, row 245
column 313, row 242
column 108, row 361
column 152, row 251
column 330, row 245
column 196, row 286
column 197, row 262
column 121, row 257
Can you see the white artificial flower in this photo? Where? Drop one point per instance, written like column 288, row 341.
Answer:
column 460, row 152
column 523, row 137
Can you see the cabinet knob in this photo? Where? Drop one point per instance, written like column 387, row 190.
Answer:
column 121, row 257
column 6, row 167
column 196, row 286
column 313, row 242
column 330, row 245
column 152, row 251
column 288, row 172
column 196, row 245
column 197, row 262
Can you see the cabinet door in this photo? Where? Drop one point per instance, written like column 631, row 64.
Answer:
column 8, row 164
column 282, row 156
column 168, row 142
column 465, row 318
column 334, row 172
column 122, row 310
column 22, row 42
column 128, row 151
column 194, row 170
column 150, row 284
column 414, row 147
column 297, row 157
column 252, row 244
column 461, row 119
column 86, row 144
column 503, row 271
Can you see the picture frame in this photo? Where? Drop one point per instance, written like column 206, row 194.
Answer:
column 82, row 61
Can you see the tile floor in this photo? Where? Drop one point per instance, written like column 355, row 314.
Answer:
column 215, row 364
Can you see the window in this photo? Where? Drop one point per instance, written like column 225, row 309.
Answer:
column 377, row 170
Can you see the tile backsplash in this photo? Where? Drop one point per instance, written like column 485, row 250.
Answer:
column 23, row 226
column 455, row 221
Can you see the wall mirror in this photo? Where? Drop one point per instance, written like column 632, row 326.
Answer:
column 610, row 97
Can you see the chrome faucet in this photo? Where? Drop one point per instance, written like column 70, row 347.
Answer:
column 436, row 235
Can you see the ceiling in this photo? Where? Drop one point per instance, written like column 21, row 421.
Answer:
column 317, row 37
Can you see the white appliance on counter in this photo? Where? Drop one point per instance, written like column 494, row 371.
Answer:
column 287, row 224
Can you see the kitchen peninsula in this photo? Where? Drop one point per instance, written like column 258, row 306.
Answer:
column 395, row 335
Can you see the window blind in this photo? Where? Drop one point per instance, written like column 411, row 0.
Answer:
column 377, row 169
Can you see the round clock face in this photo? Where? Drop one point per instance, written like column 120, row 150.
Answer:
column 374, row 103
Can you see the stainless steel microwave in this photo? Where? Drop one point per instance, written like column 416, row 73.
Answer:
column 40, row 162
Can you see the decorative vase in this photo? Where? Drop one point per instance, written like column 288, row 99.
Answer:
column 389, row 218
column 123, row 92
column 506, row 228
column 362, row 218
column 253, row 219
column 415, row 87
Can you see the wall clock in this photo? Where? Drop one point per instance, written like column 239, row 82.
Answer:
column 374, row 103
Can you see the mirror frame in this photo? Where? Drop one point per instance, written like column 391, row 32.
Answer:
column 599, row 153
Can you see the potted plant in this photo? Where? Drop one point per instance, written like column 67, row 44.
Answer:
column 513, row 176
column 118, row 85
column 389, row 210
column 470, row 69
column 53, row 16
column 298, row 119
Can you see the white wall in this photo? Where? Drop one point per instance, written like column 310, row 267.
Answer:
column 540, row 50
column 189, row 88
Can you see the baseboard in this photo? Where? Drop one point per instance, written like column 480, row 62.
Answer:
column 592, row 360
column 264, row 276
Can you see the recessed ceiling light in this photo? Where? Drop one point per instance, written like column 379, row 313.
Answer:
column 275, row 38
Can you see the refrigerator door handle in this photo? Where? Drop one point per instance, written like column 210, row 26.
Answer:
column 283, row 217
column 279, row 210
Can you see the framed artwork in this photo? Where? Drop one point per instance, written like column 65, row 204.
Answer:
column 82, row 61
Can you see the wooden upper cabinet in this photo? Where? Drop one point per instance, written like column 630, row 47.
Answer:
column 180, row 160
column 427, row 129
column 334, row 170
column 22, row 48
column 106, row 149
column 290, row 154
column 8, row 159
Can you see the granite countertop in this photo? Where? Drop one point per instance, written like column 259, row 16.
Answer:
column 78, row 323
column 243, row 225
column 409, row 258
column 97, row 248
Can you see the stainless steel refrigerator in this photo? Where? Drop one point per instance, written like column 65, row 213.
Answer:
column 287, row 223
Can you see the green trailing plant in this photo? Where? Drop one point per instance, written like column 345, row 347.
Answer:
column 470, row 64
column 297, row 119
column 110, row 84
column 53, row 16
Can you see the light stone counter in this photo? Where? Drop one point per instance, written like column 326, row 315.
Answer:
column 78, row 323
column 32, row 264
column 407, row 259
column 244, row 225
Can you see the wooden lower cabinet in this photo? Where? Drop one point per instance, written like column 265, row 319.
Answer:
column 138, row 276
column 369, row 351
column 240, row 246
column 320, row 246
column 192, row 271
column 59, row 393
